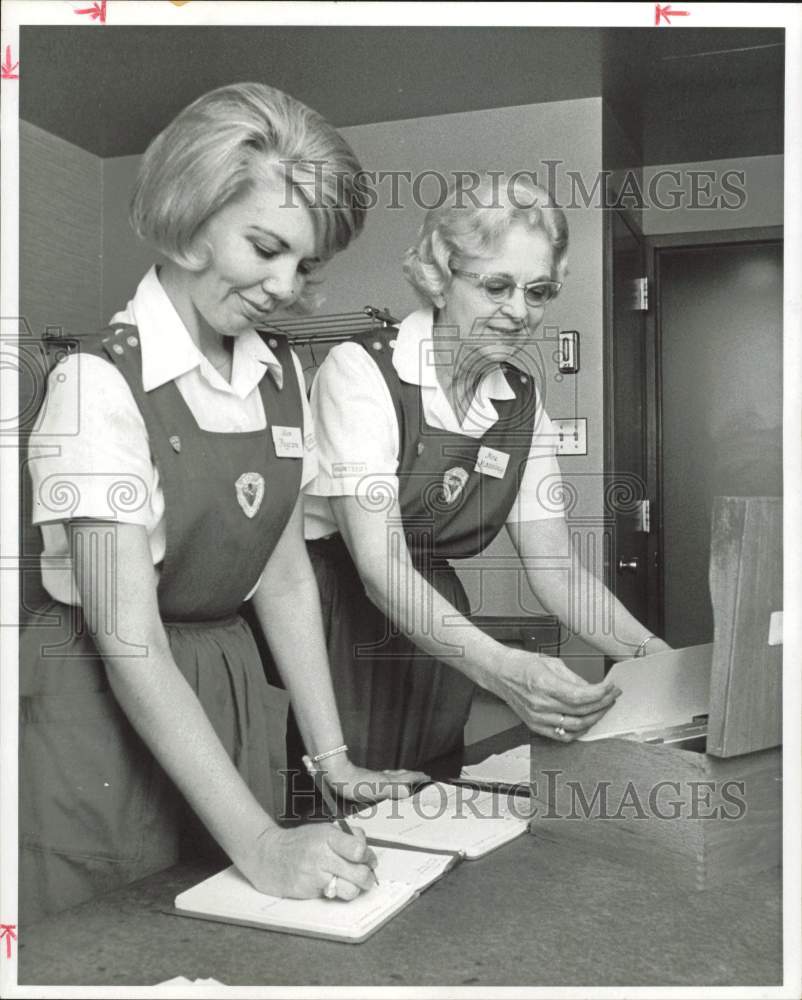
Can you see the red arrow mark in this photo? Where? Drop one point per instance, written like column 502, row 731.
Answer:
column 7, row 932
column 666, row 13
column 97, row 11
column 7, row 72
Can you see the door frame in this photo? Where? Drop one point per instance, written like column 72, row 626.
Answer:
column 651, row 410
column 653, row 245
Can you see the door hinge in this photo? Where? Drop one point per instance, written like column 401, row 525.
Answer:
column 640, row 294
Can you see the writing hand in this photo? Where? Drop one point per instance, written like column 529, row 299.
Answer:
column 299, row 863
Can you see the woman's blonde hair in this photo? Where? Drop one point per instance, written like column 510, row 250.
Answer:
column 472, row 222
column 220, row 144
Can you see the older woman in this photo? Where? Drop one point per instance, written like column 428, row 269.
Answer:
column 167, row 470
column 432, row 438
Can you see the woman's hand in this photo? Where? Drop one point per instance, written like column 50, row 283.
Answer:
column 364, row 785
column 300, row 862
column 548, row 697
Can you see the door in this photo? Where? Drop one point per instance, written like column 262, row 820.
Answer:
column 720, row 319
column 629, row 378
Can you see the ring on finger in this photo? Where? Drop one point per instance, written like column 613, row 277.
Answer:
column 559, row 730
column 330, row 892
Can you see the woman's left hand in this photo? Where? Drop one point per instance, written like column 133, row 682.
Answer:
column 363, row 785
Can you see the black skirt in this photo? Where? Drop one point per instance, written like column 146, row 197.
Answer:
column 399, row 706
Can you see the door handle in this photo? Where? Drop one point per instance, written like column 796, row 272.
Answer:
column 628, row 565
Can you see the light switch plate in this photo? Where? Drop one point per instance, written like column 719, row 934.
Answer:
column 572, row 435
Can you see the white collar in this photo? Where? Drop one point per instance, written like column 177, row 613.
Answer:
column 168, row 351
column 413, row 360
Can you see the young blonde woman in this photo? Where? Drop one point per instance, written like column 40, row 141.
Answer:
column 169, row 497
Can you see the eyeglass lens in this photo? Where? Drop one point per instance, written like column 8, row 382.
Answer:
column 535, row 294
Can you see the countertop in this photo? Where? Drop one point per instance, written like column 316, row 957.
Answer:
column 531, row 913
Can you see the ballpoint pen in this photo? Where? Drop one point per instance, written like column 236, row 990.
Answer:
column 317, row 774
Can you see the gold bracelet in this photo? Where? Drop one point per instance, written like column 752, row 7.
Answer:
column 329, row 753
column 641, row 650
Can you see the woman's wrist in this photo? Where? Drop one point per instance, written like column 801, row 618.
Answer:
column 486, row 662
column 248, row 850
column 648, row 645
column 338, row 770
column 340, row 750
column 627, row 649
column 655, row 645
column 508, row 667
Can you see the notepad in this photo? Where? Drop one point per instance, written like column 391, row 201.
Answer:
column 229, row 897
column 183, row 981
column 509, row 768
column 443, row 817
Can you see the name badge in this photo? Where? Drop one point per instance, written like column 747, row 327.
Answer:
column 491, row 462
column 288, row 442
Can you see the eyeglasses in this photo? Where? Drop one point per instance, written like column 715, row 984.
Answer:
column 499, row 288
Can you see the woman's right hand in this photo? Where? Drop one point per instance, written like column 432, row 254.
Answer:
column 299, row 862
column 548, row 697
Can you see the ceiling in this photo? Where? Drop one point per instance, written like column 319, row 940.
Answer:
column 682, row 95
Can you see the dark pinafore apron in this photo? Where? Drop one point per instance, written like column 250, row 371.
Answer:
column 399, row 706
column 96, row 810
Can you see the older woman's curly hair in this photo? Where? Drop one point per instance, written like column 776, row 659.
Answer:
column 226, row 141
column 472, row 222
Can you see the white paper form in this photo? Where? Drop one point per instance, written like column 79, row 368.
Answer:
column 508, row 768
column 661, row 690
column 446, row 817
column 229, row 896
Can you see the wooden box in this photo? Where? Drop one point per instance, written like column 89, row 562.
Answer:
column 700, row 801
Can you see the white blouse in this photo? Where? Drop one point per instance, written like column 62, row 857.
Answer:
column 90, row 455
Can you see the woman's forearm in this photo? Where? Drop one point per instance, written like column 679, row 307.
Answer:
column 167, row 715
column 425, row 617
column 567, row 589
column 409, row 600
column 290, row 619
column 287, row 604
column 540, row 689
column 150, row 688
column 592, row 612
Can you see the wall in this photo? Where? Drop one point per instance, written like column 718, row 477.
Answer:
column 60, row 230
column 125, row 258
column 59, row 280
column 518, row 138
column 762, row 206
column 621, row 156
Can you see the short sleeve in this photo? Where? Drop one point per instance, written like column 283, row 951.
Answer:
column 89, row 455
column 356, row 425
column 540, row 495
column 310, row 467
